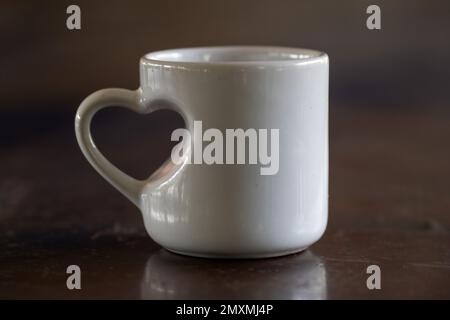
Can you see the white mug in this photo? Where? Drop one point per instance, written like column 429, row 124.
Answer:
column 229, row 210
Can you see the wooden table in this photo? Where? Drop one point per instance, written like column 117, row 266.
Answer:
column 389, row 206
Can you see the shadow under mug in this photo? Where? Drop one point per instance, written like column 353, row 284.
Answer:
column 229, row 210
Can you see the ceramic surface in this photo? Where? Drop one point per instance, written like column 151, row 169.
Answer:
column 230, row 211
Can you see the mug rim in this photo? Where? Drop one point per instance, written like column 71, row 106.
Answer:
column 276, row 55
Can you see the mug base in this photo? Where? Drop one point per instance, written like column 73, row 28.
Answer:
column 238, row 255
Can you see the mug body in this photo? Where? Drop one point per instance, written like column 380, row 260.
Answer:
column 236, row 209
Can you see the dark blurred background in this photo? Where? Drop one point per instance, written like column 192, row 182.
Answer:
column 389, row 106
column 43, row 63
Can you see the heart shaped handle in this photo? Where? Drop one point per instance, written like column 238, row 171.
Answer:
column 127, row 185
